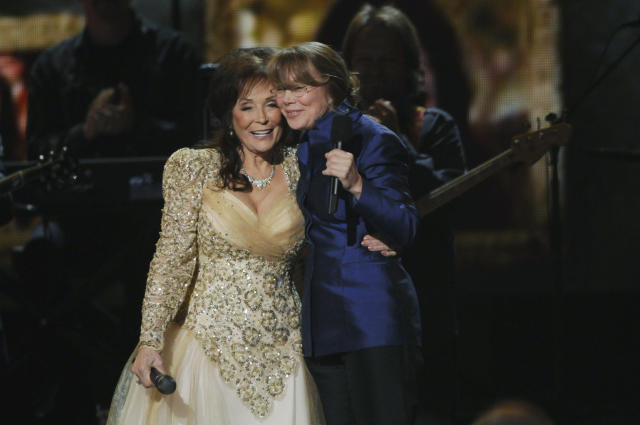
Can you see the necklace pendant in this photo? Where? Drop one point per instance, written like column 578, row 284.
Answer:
column 259, row 183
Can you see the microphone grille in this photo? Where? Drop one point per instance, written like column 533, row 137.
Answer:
column 341, row 128
column 166, row 384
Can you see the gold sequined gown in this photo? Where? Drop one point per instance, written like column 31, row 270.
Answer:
column 237, row 356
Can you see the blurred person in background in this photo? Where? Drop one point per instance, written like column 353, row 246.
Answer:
column 446, row 84
column 381, row 45
column 122, row 87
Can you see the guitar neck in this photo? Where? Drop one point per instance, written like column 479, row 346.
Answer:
column 18, row 179
column 456, row 187
column 526, row 148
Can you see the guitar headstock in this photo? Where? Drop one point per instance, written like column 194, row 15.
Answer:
column 529, row 147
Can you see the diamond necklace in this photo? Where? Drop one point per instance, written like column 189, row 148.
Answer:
column 259, row 183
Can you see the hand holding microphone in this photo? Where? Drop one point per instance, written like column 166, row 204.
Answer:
column 340, row 163
column 147, row 366
column 164, row 383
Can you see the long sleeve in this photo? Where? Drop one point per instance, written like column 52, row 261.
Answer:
column 441, row 155
column 385, row 202
column 385, row 207
column 174, row 261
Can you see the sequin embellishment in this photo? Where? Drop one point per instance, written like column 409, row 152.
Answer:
column 244, row 309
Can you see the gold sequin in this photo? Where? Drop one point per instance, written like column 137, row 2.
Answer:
column 243, row 309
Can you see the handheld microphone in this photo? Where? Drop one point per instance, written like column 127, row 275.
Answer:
column 164, row 383
column 340, row 134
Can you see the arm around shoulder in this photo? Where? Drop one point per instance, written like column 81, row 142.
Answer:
column 385, row 202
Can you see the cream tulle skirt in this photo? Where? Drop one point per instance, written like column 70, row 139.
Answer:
column 203, row 398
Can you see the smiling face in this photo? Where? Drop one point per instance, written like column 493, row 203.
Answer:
column 256, row 119
column 303, row 104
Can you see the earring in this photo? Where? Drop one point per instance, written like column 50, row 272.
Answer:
column 231, row 133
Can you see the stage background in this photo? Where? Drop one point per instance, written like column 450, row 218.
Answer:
column 554, row 326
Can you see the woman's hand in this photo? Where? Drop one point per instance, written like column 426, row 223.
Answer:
column 145, row 360
column 342, row 164
column 374, row 244
column 385, row 113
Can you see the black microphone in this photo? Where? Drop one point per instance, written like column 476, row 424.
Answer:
column 164, row 383
column 340, row 134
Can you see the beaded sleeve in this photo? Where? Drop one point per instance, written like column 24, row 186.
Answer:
column 174, row 261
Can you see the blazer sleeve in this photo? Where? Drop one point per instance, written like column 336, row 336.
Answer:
column 174, row 261
column 441, row 155
column 385, row 202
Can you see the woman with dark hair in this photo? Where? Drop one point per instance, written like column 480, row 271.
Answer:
column 220, row 312
column 359, row 309
column 382, row 46
column 447, row 85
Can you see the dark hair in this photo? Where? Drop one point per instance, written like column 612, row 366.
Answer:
column 392, row 19
column 237, row 73
column 295, row 63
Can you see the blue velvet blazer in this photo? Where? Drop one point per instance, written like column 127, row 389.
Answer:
column 354, row 298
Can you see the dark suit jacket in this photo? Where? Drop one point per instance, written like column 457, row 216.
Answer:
column 354, row 298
